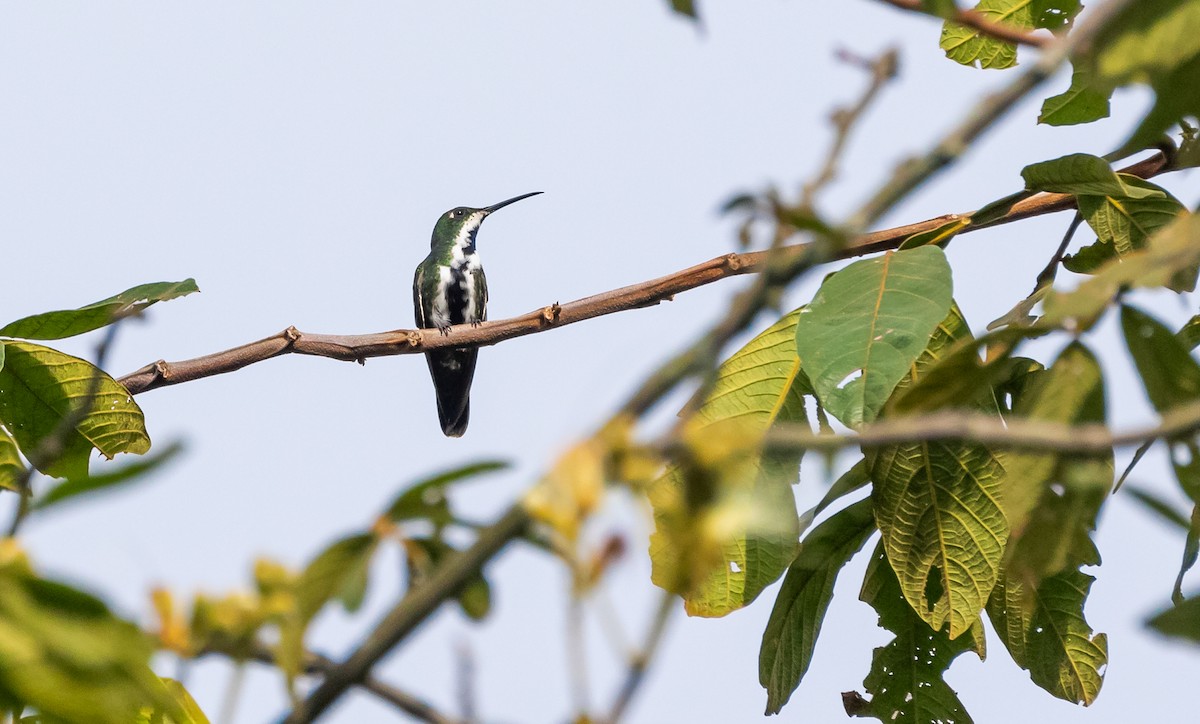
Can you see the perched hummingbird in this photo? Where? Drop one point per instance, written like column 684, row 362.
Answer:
column 450, row 288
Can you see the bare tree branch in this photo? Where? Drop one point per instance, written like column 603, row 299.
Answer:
column 635, row 296
column 983, row 25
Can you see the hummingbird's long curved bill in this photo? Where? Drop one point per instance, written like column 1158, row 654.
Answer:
column 502, row 204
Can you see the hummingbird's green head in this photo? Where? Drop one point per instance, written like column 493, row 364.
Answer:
column 458, row 226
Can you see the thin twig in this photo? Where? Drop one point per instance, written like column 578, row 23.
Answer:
column 640, row 661
column 635, row 296
column 882, row 69
column 577, row 658
column 982, row 24
column 1048, row 274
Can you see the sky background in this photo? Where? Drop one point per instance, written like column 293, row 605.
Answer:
column 292, row 157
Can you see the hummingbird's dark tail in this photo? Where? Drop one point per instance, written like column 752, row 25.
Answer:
column 452, row 371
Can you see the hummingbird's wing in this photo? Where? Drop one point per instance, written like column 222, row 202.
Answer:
column 481, row 295
column 419, row 299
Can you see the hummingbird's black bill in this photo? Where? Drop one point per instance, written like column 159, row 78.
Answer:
column 513, row 200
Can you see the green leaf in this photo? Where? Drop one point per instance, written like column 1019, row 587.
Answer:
column 1082, row 174
column 906, row 675
column 475, row 599
column 67, row 656
column 1070, row 392
column 132, row 472
column 426, row 500
column 939, row 236
column 855, row 478
column 40, row 386
column 866, row 326
column 332, row 572
column 1159, row 506
column 937, row 506
column 1189, row 335
column 1172, row 250
column 1081, row 103
column 426, row 554
column 70, row 322
column 1122, row 224
column 726, row 531
column 684, row 7
column 1181, row 621
column 11, row 465
column 1191, row 550
column 791, row 633
column 940, row 8
column 188, row 711
column 1045, row 632
column 968, row 46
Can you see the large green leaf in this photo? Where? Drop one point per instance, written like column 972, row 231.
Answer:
column 937, row 507
column 11, row 466
column 70, row 322
column 1082, row 174
column 40, row 386
column 866, row 326
column 791, row 633
column 968, row 46
column 1081, row 103
column 1172, row 250
column 1181, row 621
column 66, row 655
column 906, row 675
column 1045, row 632
column 725, row 531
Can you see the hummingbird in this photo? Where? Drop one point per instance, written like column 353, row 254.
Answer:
column 449, row 289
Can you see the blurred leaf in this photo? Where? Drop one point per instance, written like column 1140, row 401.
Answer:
column 1056, row 537
column 131, row 472
column 791, row 633
column 67, row 656
column 40, row 386
column 189, row 711
column 1191, row 550
column 998, row 209
column 572, row 490
column 725, row 530
column 1189, row 335
column 68, row 323
column 1188, row 155
column 426, row 500
column 11, row 465
column 1081, row 103
column 906, row 675
column 334, row 572
column 941, row 8
column 866, row 326
column 425, row 555
column 1171, row 250
column 1045, row 632
column 684, row 7
column 968, row 46
column 1082, row 174
column 1171, row 378
column 1181, row 621
column 1159, row 506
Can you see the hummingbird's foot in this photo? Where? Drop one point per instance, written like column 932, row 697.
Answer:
column 445, row 330
column 476, row 323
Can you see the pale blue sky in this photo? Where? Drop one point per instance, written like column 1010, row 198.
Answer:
column 293, row 156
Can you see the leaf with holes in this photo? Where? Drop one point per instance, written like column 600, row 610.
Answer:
column 1045, row 632
column 968, row 46
column 40, row 386
column 866, row 326
column 725, row 531
column 906, row 675
column 791, row 633
column 937, row 507
column 70, row 322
